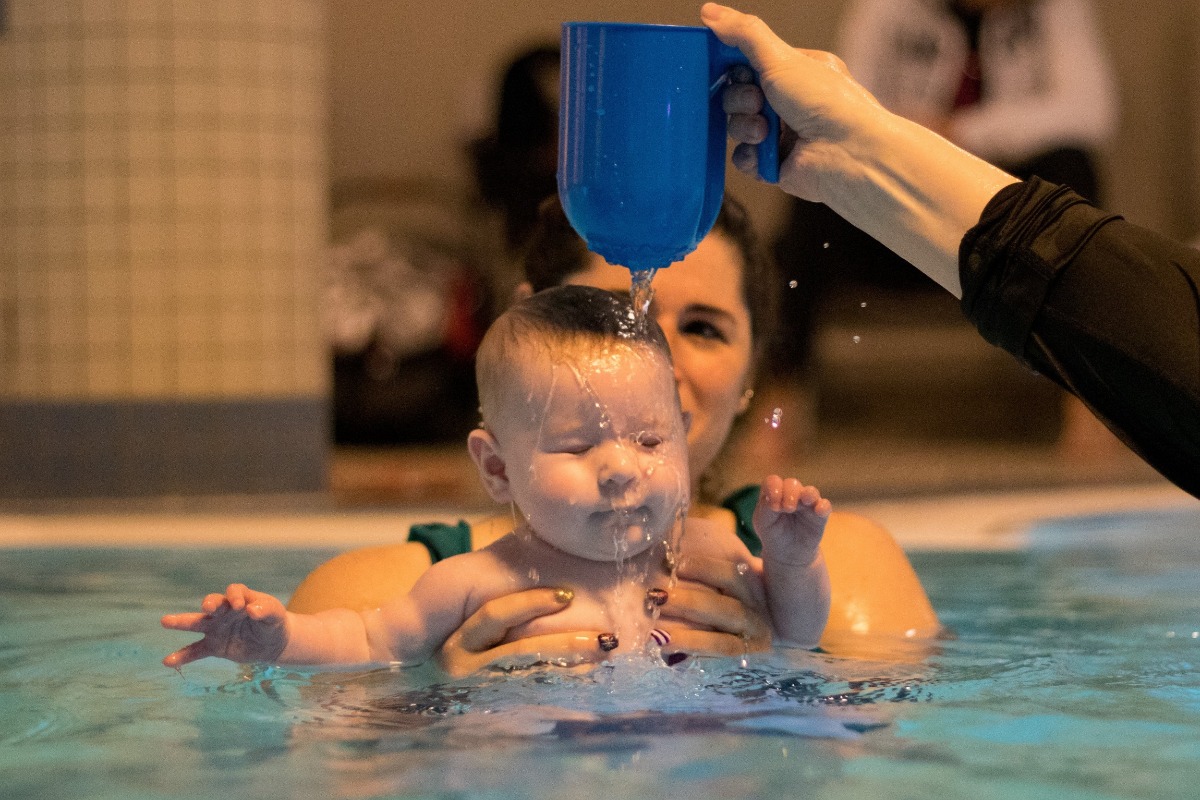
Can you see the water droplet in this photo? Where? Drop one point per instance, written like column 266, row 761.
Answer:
column 863, row 304
column 856, row 339
column 534, row 575
column 742, row 568
column 826, row 245
column 775, row 419
column 793, row 284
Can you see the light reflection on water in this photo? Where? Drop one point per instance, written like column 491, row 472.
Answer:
column 1073, row 674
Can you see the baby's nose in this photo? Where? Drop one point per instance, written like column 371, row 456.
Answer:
column 618, row 467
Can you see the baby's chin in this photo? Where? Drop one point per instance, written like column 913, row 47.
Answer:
column 621, row 535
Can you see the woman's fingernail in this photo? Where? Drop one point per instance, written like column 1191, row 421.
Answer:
column 675, row 658
column 607, row 641
column 655, row 598
column 660, row 637
column 564, row 596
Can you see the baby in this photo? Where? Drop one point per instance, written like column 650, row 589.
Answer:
column 582, row 433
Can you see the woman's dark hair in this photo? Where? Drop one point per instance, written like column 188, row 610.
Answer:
column 555, row 252
column 514, row 165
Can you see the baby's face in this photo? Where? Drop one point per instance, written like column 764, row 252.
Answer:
column 606, row 449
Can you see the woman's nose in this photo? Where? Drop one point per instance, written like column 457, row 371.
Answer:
column 676, row 355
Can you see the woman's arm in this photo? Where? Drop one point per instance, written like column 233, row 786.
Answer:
column 1107, row 309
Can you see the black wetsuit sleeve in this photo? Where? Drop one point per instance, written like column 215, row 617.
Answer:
column 1107, row 309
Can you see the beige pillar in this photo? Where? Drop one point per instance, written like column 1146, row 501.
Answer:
column 162, row 227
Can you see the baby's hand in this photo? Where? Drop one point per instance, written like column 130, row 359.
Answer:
column 241, row 625
column 790, row 519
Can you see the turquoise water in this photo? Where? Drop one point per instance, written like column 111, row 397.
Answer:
column 1073, row 675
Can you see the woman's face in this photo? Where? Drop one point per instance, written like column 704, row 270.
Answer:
column 698, row 303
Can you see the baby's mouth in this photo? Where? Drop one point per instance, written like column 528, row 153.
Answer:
column 626, row 515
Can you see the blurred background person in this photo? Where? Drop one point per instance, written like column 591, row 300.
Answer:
column 417, row 272
column 1024, row 84
column 513, row 165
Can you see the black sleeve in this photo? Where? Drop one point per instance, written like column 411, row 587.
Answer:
column 1107, row 309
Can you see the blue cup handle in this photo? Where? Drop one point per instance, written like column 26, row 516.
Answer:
column 727, row 57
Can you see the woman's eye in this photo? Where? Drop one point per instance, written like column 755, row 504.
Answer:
column 704, row 330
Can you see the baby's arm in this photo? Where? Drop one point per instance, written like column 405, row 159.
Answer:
column 246, row 625
column 790, row 520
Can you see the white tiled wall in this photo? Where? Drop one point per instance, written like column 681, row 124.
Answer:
column 162, row 190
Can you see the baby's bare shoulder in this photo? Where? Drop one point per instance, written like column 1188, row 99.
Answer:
column 708, row 537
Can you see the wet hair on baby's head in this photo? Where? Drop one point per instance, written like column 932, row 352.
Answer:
column 557, row 319
column 555, row 253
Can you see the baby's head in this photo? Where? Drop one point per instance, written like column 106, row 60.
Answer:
column 582, row 428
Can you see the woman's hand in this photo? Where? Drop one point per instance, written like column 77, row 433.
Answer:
column 901, row 183
column 820, row 104
column 717, row 597
column 476, row 643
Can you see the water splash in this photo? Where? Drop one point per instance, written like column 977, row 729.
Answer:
column 642, row 294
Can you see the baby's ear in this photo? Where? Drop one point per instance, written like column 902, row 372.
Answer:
column 485, row 452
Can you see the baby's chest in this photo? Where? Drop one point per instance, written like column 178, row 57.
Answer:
column 589, row 611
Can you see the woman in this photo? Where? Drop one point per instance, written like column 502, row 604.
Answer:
column 1108, row 310
column 716, row 307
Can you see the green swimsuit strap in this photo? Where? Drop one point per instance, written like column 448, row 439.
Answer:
column 441, row 539
column 742, row 503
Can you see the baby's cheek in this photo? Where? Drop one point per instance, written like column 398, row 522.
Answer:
column 667, row 467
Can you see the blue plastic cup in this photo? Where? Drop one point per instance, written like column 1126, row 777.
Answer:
column 642, row 139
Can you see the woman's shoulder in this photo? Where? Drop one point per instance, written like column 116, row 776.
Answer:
column 365, row 577
column 854, row 538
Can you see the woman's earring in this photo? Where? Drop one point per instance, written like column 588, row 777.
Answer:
column 744, row 402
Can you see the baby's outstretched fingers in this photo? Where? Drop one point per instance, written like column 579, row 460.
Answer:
column 187, row 654
column 212, row 602
column 771, row 493
column 237, row 594
column 810, row 496
column 241, row 625
column 190, row 621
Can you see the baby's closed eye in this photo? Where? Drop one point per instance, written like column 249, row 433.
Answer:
column 648, row 439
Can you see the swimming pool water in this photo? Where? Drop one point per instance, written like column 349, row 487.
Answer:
column 1073, row 674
